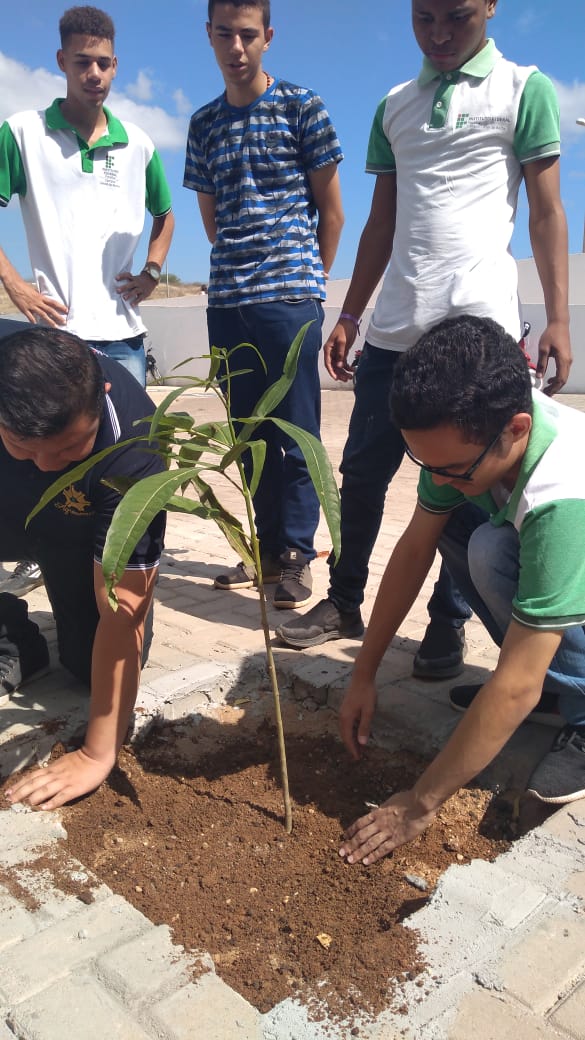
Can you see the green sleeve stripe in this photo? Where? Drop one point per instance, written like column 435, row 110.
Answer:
column 158, row 195
column 538, row 124
column 548, row 624
column 380, row 158
column 438, row 511
column 12, row 175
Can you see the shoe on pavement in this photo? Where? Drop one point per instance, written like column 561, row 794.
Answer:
column 25, row 577
column 295, row 587
column 244, row 575
column 546, row 711
column 440, row 655
column 322, row 623
column 560, row 776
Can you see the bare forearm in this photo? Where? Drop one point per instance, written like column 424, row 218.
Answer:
column 116, row 666
column 328, row 235
column 160, row 238
column 548, row 236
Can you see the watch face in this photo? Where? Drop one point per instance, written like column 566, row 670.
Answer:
column 153, row 272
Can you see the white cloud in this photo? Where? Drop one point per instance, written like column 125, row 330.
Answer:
column 184, row 106
column 572, row 104
column 142, row 90
column 22, row 88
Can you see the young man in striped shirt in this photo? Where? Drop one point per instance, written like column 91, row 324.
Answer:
column 263, row 160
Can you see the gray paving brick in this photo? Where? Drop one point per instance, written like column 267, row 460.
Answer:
column 220, row 1013
column 23, row 831
column 54, row 952
column 5, row 1032
column 146, row 966
column 547, row 962
column 485, row 1016
column 568, row 824
column 312, row 678
column 570, row 1016
column 16, row 923
column 75, row 1009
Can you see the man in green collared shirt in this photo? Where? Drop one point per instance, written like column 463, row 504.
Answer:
column 449, row 151
column 84, row 181
column 502, row 496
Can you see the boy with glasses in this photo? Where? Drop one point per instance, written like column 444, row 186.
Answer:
column 502, row 496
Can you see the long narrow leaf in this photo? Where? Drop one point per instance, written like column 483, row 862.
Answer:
column 258, row 451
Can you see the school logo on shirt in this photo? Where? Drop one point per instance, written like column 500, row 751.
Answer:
column 74, row 503
column 110, row 174
column 464, row 119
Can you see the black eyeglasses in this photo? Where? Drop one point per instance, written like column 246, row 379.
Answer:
column 442, row 471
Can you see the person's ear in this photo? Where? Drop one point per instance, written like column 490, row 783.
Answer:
column 61, row 60
column 268, row 36
column 520, row 425
column 115, row 66
column 107, row 387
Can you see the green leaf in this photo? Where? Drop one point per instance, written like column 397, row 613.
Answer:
column 321, row 473
column 272, row 397
column 258, row 451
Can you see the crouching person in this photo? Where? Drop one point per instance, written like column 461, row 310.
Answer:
column 502, row 496
column 61, row 403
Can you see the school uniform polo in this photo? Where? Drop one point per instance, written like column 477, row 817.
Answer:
column 83, row 209
column 457, row 142
column 547, row 508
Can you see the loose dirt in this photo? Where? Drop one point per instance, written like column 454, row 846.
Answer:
column 197, row 842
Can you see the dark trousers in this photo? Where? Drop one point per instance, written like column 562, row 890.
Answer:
column 68, row 575
column 285, row 503
column 373, row 452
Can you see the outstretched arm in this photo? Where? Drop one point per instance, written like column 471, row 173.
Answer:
column 497, row 711
column 373, row 255
column 115, row 676
column 548, row 235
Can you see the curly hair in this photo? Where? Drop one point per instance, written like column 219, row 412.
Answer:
column 467, row 371
column 86, row 21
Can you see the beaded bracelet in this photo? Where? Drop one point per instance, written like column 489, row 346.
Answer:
column 355, row 321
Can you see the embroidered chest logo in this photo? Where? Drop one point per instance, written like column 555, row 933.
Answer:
column 110, row 174
column 74, row 503
column 464, row 119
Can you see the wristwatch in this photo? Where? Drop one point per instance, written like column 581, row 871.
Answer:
column 153, row 270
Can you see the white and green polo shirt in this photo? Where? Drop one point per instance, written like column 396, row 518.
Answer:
column 83, row 209
column 457, row 142
column 547, row 508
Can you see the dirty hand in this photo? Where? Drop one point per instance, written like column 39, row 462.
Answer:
column 374, row 836
column 554, row 343
column 135, row 287
column 33, row 304
column 336, row 349
column 355, row 716
column 61, row 781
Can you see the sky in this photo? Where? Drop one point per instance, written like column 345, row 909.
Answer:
column 350, row 53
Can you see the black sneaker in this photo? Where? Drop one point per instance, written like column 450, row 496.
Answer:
column 295, row 587
column 560, row 776
column 546, row 711
column 322, row 623
column 244, row 575
column 440, row 655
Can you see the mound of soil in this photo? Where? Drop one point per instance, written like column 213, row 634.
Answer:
column 198, row 843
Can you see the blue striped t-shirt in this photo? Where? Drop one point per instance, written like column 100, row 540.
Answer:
column 256, row 161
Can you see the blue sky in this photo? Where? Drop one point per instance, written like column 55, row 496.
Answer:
column 351, row 53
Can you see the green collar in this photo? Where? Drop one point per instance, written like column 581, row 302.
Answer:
column 479, row 66
column 541, row 436
column 116, row 133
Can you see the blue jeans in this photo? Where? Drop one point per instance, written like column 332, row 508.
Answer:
column 285, row 504
column 129, row 352
column 484, row 561
column 372, row 455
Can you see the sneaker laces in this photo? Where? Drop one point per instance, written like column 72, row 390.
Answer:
column 569, row 734
column 25, row 568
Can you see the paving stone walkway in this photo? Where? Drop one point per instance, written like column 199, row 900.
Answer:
column 505, row 942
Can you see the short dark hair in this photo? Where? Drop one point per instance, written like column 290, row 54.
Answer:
column 86, row 21
column 467, row 371
column 263, row 5
column 47, row 379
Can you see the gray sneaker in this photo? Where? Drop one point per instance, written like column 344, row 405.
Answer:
column 322, row 623
column 243, row 576
column 25, row 577
column 16, row 668
column 560, row 776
